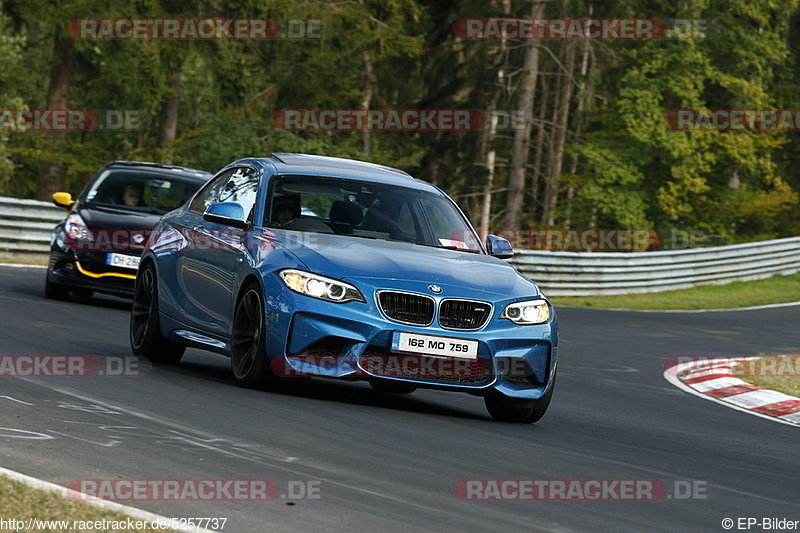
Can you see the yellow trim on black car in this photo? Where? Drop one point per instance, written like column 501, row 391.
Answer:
column 103, row 274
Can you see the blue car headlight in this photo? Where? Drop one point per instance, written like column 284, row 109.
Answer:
column 527, row 312
column 316, row 286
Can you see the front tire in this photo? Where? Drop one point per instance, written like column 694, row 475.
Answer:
column 82, row 294
column 249, row 362
column 505, row 409
column 145, row 330
column 55, row 291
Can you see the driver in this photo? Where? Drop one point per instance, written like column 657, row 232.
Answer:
column 132, row 195
column 285, row 207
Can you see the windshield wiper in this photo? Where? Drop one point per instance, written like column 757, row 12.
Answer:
column 451, row 247
column 113, row 209
column 138, row 210
column 458, row 249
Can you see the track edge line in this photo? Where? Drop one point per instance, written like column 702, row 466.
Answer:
column 104, row 505
column 671, row 375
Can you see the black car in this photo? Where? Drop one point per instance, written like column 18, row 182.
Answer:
column 98, row 246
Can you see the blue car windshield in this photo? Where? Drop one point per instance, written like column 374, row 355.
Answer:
column 368, row 210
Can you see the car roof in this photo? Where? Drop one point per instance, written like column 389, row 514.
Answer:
column 146, row 165
column 337, row 167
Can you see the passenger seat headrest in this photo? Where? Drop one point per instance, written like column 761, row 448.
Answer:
column 345, row 212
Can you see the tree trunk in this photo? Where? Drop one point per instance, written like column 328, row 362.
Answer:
column 168, row 115
column 560, row 121
column 433, row 169
column 544, row 95
column 491, row 154
column 52, row 171
column 520, row 149
column 581, row 97
column 367, row 102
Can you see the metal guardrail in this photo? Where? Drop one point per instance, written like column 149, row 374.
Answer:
column 592, row 273
column 25, row 227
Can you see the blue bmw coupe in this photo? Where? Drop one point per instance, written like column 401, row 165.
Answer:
column 309, row 266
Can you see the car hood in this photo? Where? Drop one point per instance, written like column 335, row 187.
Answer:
column 350, row 258
column 117, row 219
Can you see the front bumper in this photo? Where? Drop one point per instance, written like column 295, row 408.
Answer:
column 353, row 341
column 88, row 270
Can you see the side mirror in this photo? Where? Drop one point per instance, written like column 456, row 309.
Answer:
column 499, row 247
column 63, row 199
column 228, row 213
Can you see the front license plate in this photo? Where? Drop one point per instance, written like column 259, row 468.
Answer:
column 434, row 345
column 123, row 261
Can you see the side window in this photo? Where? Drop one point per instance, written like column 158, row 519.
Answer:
column 439, row 222
column 210, row 193
column 242, row 187
column 442, row 222
column 236, row 185
column 405, row 222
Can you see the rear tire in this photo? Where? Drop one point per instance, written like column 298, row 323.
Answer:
column 507, row 409
column 145, row 330
column 249, row 362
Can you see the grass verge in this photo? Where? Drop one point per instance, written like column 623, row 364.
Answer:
column 40, row 261
column 777, row 289
column 780, row 373
column 21, row 502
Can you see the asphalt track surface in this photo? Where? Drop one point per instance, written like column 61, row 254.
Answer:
column 389, row 463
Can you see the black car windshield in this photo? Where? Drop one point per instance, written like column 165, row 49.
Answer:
column 369, row 210
column 142, row 191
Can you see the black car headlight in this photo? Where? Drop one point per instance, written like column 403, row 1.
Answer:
column 527, row 312
column 76, row 228
column 320, row 287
